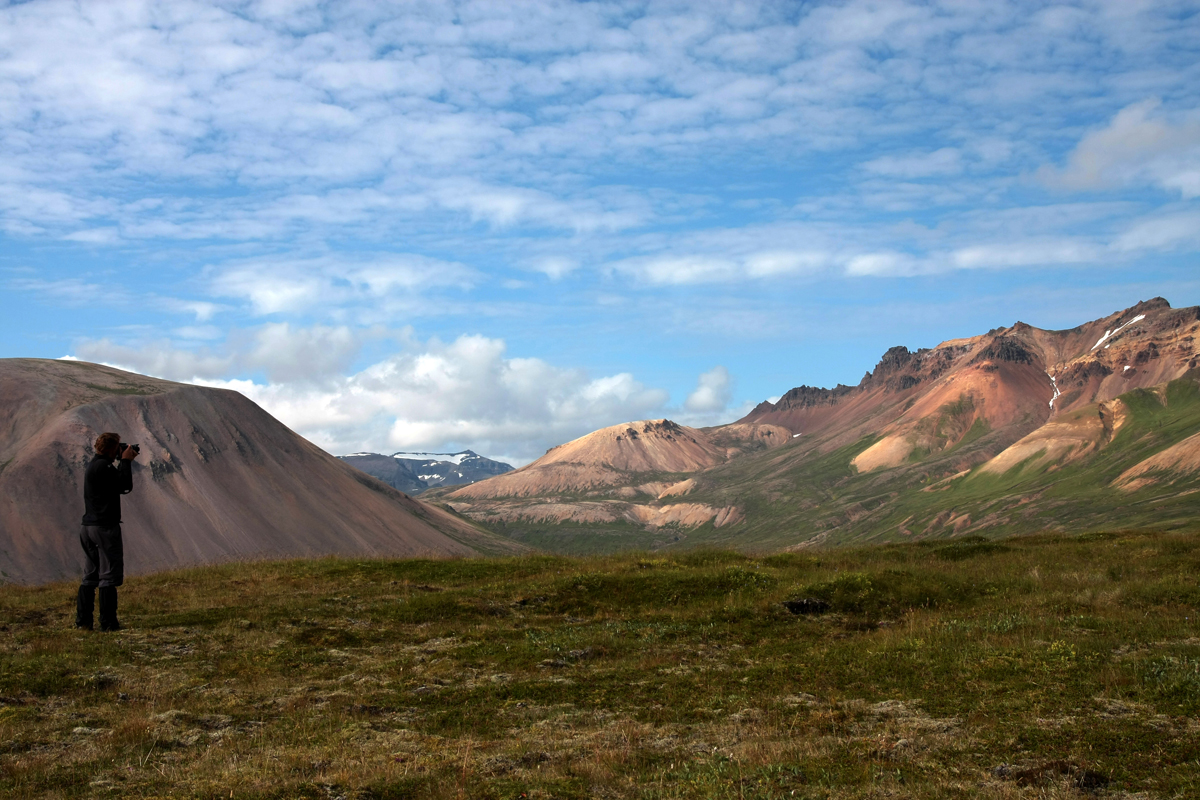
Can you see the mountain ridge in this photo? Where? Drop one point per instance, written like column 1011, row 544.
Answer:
column 1014, row 398
column 412, row 474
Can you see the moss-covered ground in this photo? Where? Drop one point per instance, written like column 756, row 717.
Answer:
column 1028, row 667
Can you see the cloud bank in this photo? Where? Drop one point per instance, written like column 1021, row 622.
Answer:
column 430, row 396
column 309, row 200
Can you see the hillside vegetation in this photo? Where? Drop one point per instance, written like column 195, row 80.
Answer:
column 1045, row 666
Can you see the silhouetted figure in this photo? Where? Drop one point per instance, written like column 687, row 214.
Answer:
column 103, row 484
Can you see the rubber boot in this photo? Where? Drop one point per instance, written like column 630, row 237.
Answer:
column 108, row 609
column 84, row 605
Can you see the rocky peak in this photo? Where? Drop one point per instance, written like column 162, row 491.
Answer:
column 1006, row 348
column 809, row 396
column 1153, row 304
column 893, row 361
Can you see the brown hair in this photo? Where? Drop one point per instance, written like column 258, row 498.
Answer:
column 106, row 442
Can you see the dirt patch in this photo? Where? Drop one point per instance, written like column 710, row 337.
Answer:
column 890, row 451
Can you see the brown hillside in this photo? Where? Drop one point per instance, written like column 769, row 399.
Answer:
column 619, row 472
column 218, row 479
column 1070, row 436
column 657, row 445
column 620, row 456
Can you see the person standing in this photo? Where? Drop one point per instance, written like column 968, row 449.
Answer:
column 103, row 484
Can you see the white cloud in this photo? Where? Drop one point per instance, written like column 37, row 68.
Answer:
column 72, row 292
column 431, row 396
column 159, row 359
column 482, row 109
column 1026, row 253
column 1017, row 253
column 1136, row 147
column 290, row 354
column 386, row 281
column 946, row 161
column 504, row 206
column 109, row 235
column 201, row 309
column 555, row 267
column 284, row 353
column 713, row 392
column 886, row 263
column 721, row 267
column 208, row 333
column 1166, row 231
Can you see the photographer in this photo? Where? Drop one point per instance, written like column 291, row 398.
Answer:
column 103, row 485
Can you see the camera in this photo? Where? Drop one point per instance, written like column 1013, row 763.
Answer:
column 121, row 448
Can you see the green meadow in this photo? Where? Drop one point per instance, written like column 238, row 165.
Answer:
column 1031, row 667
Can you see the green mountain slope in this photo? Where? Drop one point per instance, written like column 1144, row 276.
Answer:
column 803, row 496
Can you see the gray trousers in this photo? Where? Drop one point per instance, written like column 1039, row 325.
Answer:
column 104, row 553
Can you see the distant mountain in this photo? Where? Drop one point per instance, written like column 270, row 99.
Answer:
column 1013, row 430
column 219, row 479
column 621, row 474
column 413, row 473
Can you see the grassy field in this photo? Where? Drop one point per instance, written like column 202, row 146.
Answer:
column 1047, row 667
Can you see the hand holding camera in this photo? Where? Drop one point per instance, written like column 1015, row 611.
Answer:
column 128, row 451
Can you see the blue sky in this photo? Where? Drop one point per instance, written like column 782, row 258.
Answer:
column 502, row 225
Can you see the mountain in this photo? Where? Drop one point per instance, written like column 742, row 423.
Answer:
column 218, row 480
column 1013, row 429
column 395, row 472
column 415, row 472
column 1009, row 381
column 619, row 475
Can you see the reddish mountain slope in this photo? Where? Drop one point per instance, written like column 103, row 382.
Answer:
column 1008, row 382
column 218, row 479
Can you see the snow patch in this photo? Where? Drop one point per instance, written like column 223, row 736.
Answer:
column 1115, row 331
column 1127, row 368
column 453, row 458
column 1057, row 393
column 795, row 435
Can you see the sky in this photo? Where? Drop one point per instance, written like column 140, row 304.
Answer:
column 430, row 226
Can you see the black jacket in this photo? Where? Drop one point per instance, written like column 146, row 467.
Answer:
column 103, row 485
